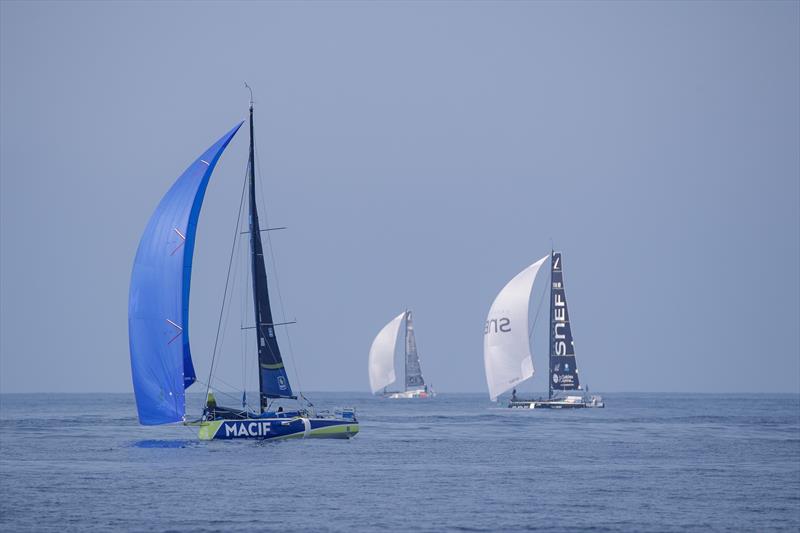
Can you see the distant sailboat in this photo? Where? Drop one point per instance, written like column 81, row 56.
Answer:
column 507, row 339
column 381, row 361
column 158, row 318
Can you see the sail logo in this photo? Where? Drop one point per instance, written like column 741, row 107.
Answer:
column 495, row 325
column 559, row 323
column 281, row 383
column 245, row 429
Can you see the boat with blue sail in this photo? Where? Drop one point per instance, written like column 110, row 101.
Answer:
column 158, row 321
column 507, row 337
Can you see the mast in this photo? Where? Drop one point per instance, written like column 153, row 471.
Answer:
column 552, row 324
column 272, row 379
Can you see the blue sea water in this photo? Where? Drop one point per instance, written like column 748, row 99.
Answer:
column 648, row 462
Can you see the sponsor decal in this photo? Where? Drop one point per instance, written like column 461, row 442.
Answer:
column 281, row 383
column 497, row 325
column 247, row 429
column 559, row 323
column 565, row 381
column 555, row 378
column 561, row 348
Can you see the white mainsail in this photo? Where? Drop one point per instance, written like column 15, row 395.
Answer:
column 381, row 355
column 506, row 340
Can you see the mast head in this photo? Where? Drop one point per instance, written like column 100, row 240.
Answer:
column 251, row 95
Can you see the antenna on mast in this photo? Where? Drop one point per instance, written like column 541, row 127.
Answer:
column 251, row 95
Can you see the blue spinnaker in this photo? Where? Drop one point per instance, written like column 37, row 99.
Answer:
column 158, row 303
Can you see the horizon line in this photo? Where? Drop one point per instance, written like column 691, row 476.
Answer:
column 437, row 392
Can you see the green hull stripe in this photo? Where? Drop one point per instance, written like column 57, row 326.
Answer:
column 209, row 429
column 342, row 430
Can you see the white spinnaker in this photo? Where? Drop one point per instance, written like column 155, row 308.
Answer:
column 506, row 340
column 381, row 355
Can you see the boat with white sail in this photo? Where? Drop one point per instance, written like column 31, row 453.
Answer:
column 158, row 320
column 382, row 361
column 507, row 356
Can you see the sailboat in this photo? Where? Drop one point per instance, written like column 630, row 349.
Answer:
column 158, row 322
column 381, row 361
column 507, row 340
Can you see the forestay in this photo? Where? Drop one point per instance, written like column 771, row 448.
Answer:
column 381, row 355
column 506, row 340
column 158, row 303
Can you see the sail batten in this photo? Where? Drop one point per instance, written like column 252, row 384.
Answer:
column 158, row 303
column 507, row 354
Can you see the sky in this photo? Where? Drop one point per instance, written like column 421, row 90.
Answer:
column 420, row 154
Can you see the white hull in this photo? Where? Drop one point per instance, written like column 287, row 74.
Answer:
column 570, row 402
column 410, row 394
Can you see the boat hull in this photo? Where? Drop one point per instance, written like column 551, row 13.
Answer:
column 571, row 402
column 278, row 428
column 410, row 394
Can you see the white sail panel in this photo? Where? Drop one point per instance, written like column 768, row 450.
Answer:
column 381, row 355
column 506, row 341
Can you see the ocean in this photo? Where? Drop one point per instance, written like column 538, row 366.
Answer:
column 647, row 462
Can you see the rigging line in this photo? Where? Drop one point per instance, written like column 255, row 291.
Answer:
column 226, row 321
column 223, row 393
column 227, row 281
column 536, row 317
column 275, row 272
column 223, row 382
column 242, row 310
column 244, row 265
column 229, row 306
column 222, row 333
column 247, row 352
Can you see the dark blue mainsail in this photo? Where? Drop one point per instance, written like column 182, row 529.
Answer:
column 158, row 304
column 563, row 368
column 273, row 382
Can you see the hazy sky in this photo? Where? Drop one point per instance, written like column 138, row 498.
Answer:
column 421, row 154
